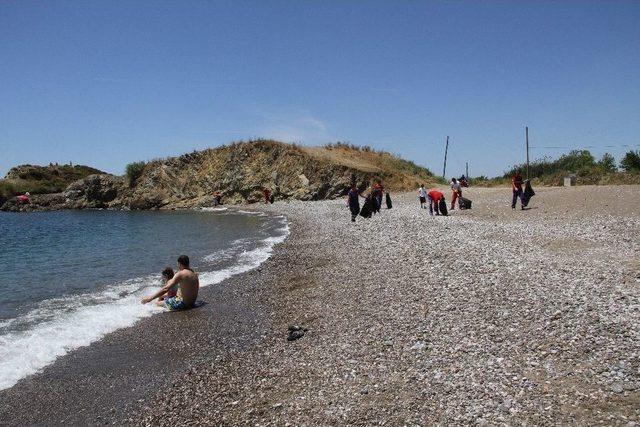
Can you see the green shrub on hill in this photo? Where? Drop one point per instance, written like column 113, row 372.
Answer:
column 133, row 171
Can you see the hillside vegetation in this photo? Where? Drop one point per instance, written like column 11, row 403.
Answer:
column 578, row 163
column 41, row 179
column 241, row 170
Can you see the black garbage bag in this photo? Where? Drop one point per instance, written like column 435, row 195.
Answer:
column 528, row 192
column 464, row 203
column 442, row 207
column 367, row 208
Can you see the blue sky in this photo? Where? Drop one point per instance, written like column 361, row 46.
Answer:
column 105, row 83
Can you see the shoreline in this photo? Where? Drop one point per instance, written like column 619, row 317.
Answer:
column 394, row 334
column 124, row 366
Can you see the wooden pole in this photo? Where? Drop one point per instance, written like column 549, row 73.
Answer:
column 526, row 130
column 444, row 170
column 466, row 170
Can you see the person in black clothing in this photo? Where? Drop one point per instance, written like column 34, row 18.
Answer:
column 353, row 201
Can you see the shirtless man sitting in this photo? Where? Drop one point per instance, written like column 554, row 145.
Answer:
column 189, row 284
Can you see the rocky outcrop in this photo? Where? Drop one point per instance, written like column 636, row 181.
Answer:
column 95, row 192
column 241, row 171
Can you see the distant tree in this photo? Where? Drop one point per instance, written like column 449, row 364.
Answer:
column 608, row 163
column 631, row 161
column 576, row 160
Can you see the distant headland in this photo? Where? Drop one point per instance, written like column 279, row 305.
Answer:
column 239, row 171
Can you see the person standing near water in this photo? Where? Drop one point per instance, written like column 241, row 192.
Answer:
column 267, row 195
column 217, row 198
column 189, row 284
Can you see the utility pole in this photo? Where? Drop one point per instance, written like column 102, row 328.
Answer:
column 526, row 131
column 466, row 170
column 446, row 149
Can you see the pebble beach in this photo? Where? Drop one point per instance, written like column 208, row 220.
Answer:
column 490, row 316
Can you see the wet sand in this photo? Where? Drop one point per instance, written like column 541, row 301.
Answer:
column 489, row 316
column 111, row 380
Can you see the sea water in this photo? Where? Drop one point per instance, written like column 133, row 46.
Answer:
column 68, row 278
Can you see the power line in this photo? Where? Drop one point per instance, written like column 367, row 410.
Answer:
column 585, row 146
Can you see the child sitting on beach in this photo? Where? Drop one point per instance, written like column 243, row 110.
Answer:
column 167, row 274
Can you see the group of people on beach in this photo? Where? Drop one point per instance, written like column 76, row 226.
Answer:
column 433, row 199
column 372, row 201
column 180, row 290
column 436, row 198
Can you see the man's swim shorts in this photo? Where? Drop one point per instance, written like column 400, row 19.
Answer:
column 175, row 303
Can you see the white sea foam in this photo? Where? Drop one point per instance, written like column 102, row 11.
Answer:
column 60, row 325
column 212, row 209
column 228, row 253
column 251, row 212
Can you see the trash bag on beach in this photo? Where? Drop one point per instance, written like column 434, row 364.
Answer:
column 367, row 208
column 464, row 203
column 388, row 200
column 442, row 207
column 528, row 193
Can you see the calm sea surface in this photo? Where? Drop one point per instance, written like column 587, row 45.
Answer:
column 69, row 277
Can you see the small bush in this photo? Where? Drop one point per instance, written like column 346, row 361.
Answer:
column 133, row 171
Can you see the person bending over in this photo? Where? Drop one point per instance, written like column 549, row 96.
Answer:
column 434, row 197
column 188, row 283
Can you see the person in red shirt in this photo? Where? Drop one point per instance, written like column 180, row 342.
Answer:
column 434, row 197
column 267, row 195
column 516, row 187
